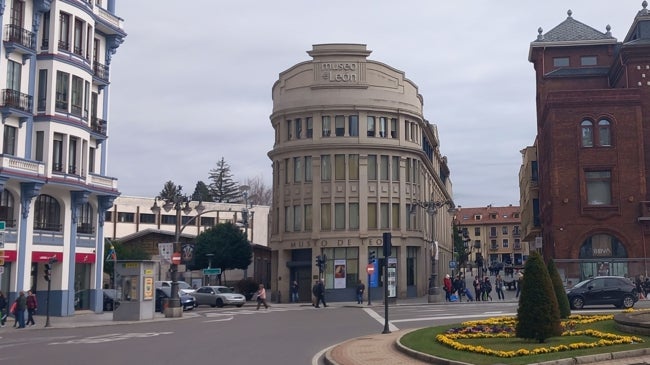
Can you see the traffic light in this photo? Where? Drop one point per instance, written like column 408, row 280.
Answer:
column 386, row 237
column 48, row 272
column 371, row 257
column 320, row 263
column 479, row 260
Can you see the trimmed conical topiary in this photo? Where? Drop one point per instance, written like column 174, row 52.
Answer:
column 560, row 292
column 538, row 315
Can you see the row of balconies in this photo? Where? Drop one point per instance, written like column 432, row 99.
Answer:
column 496, row 247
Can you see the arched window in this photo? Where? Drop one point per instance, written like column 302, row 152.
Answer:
column 47, row 214
column 600, row 255
column 604, row 135
column 587, row 133
column 7, row 208
column 85, row 222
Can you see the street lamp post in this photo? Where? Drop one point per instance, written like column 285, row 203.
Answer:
column 432, row 209
column 179, row 203
column 246, row 214
column 209, row 255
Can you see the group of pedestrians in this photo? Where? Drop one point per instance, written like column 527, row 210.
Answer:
column 18, row 307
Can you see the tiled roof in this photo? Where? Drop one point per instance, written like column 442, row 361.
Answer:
column 489, row 215
column 572, row 30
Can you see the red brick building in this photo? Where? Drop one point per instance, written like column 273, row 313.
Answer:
column 593, row 128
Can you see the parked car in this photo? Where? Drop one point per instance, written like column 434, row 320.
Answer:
column 601, row 290
column 218, row 296
column 182, row 286
column 188, row 302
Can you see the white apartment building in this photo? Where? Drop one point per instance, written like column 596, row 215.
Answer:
column 54, row 66
column 354, row 158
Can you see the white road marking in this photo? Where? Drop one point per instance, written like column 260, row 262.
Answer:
column 380, row 319
column 110, row 338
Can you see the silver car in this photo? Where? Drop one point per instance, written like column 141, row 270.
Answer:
column 218, row 296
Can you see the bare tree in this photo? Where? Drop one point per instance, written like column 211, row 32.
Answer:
column 259, row 193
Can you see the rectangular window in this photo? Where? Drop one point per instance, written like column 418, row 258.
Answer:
column 86, row 99
column 339, row 216
column 124, row 217
column 384, row 216
column 208, row 221
column 354, row 215
column 308, row 174
column 308, row 218
column 372, row 167
column 325, row 168
column 147, row 218
column 410, row 217
column 310, row 127
column 395, row 168
column 588, row 61
column 395, row 216
column 40, row 141
column 477, row 231
column 599, row 190
column 372, row 215
column 42, row 90
column 288, row 218
column 493, row 231
column 411, row 265
column 383, row 126
column 72, row 156
column 327, row 127
column 339, row 167
column 298, row 126
column 371, row 126
column 353, row 125
column 408, row 170
column 287, row 166
column 353, row 167
column 325, row 217
column 561, row 61
column 504, row 230
column 9, row 141
column 45, row 41
column 297, row 169
column 297, row 218
column 14, row 73
column 339, row 124
column 64, row 32
column 289, row 130
column 346, row 258
column 505, row 243
column 383, row 168
column 62, row 81
column 77, row 95
column 91, row 159
column 57, row 153
column 407, row 130
column 393, row 128
column 78, row 37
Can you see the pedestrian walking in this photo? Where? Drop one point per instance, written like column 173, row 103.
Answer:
column 294, row 292
column 21, row 306
column 448, row 287
column 32, row 306
column 499, row 286
column 314, row 292
column 320, row 294
column 477, row 288
column 459, row 286
column 520, row 283
column 261, row 297
column 360, row 289
column 3, row 309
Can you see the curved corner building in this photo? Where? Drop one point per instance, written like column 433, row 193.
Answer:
column 54, row 62
column 353, row 159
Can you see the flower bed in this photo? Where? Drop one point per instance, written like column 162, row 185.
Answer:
column 504, row 327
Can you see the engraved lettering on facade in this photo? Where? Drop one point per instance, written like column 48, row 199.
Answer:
column 339, row 72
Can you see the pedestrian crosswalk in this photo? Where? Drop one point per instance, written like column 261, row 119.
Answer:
column 222, row 314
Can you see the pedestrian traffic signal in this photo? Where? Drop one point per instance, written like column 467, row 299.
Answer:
column 371, row 257
column 48, row 272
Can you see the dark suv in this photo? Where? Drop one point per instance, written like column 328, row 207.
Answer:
column 614, row 290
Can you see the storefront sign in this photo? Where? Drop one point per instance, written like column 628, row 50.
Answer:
column 337, row 243
column 43, row 256
column 344, row 72
column 84, row 258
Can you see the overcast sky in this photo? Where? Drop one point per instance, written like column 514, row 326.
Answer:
column 192, row 81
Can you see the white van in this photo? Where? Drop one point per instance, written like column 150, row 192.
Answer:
column 183, row 287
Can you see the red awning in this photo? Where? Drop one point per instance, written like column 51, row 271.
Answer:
column 42, row 256
column 84, row 258
column 9, row 255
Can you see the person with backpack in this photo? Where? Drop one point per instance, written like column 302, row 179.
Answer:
column 487, row 289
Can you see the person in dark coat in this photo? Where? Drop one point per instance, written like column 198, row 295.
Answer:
column 32, row 306
column 21, row 306
column 320, row 294
column 3, row 309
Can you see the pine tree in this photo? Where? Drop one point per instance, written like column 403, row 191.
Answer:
column 538, row 315
column 223, row 189
column 558, row 288
column 170, row 191
column 201, row 192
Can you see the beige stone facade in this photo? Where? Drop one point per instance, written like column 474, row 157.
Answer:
column 353, row 158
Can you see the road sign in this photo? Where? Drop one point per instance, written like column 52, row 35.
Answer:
column 176, row 258
column 452, row 264
column 216, row 271
column 2, row 225
column 370, row 269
